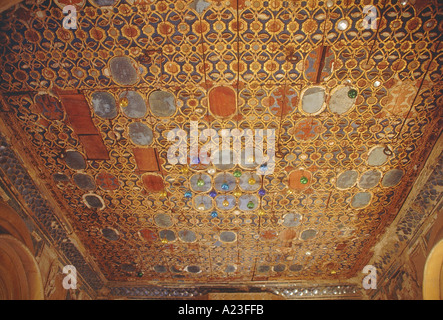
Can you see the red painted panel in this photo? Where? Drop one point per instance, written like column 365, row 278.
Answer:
column 78, row 112
column 153, row 183
column 94, row 147
column 222, row 101
column 75, row 105
column 146, row 159
column 79, row 116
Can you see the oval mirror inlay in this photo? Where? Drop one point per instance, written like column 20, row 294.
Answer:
column 75, row 160
column 377, row 157
column 313, row 100
column 228, row 236
column 361, row 200
column 392, row 178
column 140, row 134
column 123, row 71
column 169, row 235
column 93, row 201
column 110, row 234
column 369, row 179
column 84, row 181
column 136, row 107
column 340, row 102
column 187, row 236
column 347, row 179
column 162, row 103
column 292, row 219
column 163, row 220
column 104, row 105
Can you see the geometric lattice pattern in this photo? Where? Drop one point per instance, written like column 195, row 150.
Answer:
column 355, row 111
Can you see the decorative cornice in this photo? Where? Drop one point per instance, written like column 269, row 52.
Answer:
column 43, row 216
column 319, row 292
column 419, row 207
column 291, row 292
column 152, row 292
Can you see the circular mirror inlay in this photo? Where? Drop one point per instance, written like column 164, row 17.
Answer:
column 247, row 161
column 308, row 234
column 202, row 202
column 245, row 199
column 205, row 186
column 245, row 182
column 222, row 200
column 225, row 182
column 223, row 160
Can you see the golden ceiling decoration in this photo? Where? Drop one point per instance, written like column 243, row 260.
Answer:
column 354, row 111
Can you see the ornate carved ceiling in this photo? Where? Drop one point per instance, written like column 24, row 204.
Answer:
column 355, row 111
